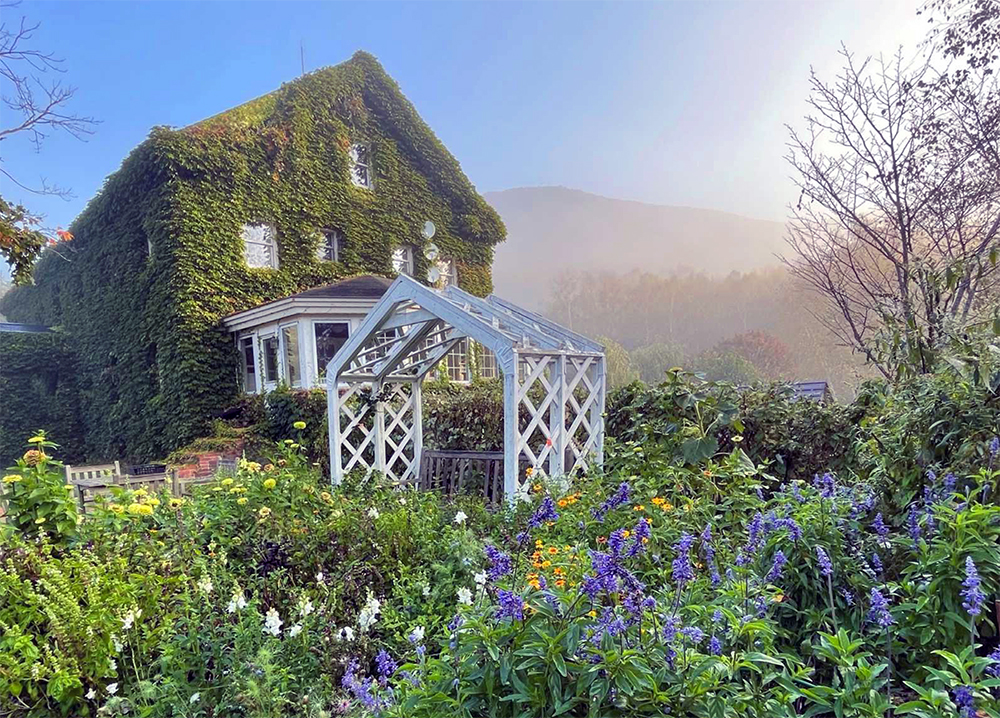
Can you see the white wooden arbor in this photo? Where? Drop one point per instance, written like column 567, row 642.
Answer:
column 556, row 375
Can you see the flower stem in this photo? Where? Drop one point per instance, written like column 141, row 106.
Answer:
column 833, row 607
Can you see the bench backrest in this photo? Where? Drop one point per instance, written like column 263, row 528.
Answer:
column 93, row 471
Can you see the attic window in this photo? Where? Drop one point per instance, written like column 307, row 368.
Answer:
column 402, row 261
column 331, row 246
column 260, row 247
column 361, row 168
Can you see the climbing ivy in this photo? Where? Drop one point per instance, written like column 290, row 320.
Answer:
column 38, row 391
column 155, row 362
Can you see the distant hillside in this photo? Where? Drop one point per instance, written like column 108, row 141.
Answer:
column 553, row 228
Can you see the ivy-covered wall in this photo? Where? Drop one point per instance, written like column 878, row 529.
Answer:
column 38, row 391
column 155, row 363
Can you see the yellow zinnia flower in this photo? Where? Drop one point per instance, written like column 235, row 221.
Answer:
column 12, row 478
column 299, row 425
column 270, row 483
column 116, row 508
column 36, row 439
column 241, row 500
column 227, row 481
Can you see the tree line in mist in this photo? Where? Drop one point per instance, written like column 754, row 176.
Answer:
column 742, row 327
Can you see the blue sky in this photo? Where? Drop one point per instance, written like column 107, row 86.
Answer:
column 677, row 103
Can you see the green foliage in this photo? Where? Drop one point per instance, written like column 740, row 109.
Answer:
column 21, row 242
column 653, row 361
column 35, row 496
column 38, row 388
column 155, row 364
column 618, row 363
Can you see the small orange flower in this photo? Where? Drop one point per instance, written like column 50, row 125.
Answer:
column 553, row 550
column 602, row 539
column 562, row 503
column 560, row 583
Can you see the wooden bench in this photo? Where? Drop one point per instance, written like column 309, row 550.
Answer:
column 450, row 472
column 91, row 481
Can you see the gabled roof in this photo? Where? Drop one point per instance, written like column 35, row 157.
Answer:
column 363, row 77
column 351, row 296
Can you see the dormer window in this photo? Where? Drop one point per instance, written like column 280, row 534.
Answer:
column 260, row 246
column 402, row 261
column 361, row 168
column 331, row 246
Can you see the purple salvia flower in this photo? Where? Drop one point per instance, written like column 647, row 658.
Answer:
column 500, row 563
column 848, row 596
column 825, row 567
column 546, row 512
column 879, row 612
column 510, row 606
column 877, row 563
column 879, row 526
column 693, row 634
column 965, row 701
column 715, row 646
column 950, row 482
column 971, row 592
column 913, row 524
column 620, row 497
column 774, row 574
column 386, row 666
column 826, row 485
column 993, row 670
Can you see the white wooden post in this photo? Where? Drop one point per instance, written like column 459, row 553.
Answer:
column 379, row 428
column 597, row 411
column 557, row 418
column 510, row 439
column 418, row 427
column 333, row 422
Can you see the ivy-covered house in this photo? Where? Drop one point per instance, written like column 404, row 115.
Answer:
column 331, row 176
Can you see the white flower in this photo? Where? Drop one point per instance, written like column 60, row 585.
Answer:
column 130, row 618
column 113, row 664
column 112, row 688
column 195, row 697
column 237, row 602
column 116, row 642
column 345, row 634
column 366, row 619
column 319, row 577
column 427, row 590
column 272, row 622
column 465, row 596
column 373, row 512
column 480, row 578
column 402, row 501
column 417, row 635
column 90, row 695
column 205, row 584
column 460, row 517
column 295, row 630
column 305, row 607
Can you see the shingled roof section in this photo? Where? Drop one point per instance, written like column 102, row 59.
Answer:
column 367, row 286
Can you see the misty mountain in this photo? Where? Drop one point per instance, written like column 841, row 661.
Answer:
column 551, row 229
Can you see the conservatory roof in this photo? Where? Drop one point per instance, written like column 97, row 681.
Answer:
column 351, row 296
column 413, row 327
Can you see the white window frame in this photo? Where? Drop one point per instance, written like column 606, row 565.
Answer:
column 270, row 240
column 403, row 260
column 258, row 368
column 329, row 251
column 456, row 362
column 283, row 354
column 265, row 383
column 318, row 376
column 449, row 271
column 355, row 154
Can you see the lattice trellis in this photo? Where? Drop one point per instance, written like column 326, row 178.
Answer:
column 374, row 383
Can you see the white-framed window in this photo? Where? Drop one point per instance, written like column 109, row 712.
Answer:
column 402, row 261
column 487, row 362
column 260, row 246
column 269, row 353
column 292, row 364
column 330, row 337
column 457, row 361
column 331, row 245
column 361, row 166
column 248, row 365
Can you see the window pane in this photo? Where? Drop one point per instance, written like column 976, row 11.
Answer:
column 249, row 365
column 456, row 361
column 270, row 350
column 290, row 337
column 402, row 261
column 360, row 165
column 260, row 246
column 330, row 246
column 487, row 363
column 330, row 336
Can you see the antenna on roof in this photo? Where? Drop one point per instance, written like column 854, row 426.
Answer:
column 302, row 56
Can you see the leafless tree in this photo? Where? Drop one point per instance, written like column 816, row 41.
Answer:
column 898, row 219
